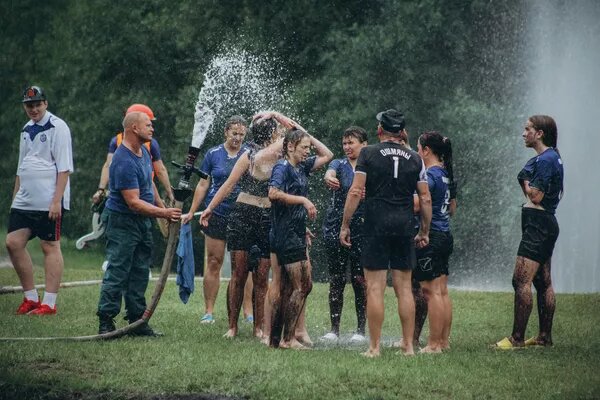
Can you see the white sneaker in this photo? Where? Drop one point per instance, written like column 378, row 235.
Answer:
column 330, row 337
column 358, row 338
column 104, row 265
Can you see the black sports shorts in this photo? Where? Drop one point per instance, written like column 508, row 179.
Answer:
column 432, row 260
column 383, row 252
column 249, row 226
column 539, row 233
column 38, row 222
column 217, row 227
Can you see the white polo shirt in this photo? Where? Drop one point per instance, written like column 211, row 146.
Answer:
column 45, row 150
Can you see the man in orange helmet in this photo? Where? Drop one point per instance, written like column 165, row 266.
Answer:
column 158, row 166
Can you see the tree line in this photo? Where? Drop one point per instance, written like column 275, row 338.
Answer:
column 452, row 66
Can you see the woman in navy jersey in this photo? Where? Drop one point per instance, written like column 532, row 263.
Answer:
column 249, row 223
column 218, row 163
column 338, row 178
column 541, row 180
column 288, row 189
column 432, row 261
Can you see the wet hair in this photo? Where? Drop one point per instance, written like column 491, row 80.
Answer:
column 262, row 131
column 293, row 136
column 356, row 132
column 235, row 120
column 441, row 147
column 547, row 125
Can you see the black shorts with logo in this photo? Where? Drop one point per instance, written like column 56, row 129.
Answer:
column 432, row 260
column 384, row 252
column 539, row 233
column 217, row 227
column 38, row 222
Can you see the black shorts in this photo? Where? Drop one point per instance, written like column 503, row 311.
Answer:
column 38, row 222
column 217, row 227
column 539, row 233
column 385, row 252
column 290, row 256
column 248, row 226
column 432, row 260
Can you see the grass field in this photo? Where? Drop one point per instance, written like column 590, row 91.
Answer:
column 193, row 361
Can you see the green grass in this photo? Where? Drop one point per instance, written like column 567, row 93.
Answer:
column 194, row 359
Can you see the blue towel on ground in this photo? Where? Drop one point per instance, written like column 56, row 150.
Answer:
column 185, row 263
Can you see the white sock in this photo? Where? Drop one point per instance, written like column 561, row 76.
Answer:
column 49, row 299
column 32, row 295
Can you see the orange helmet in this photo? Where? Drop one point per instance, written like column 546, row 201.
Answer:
column 141, row 108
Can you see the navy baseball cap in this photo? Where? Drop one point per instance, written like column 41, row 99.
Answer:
column 391, row 120
column 33, row 93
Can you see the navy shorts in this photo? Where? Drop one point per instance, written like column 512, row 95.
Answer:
column 247, row 227
column 388, row 252
column 432, row 260
column 217, row 227
column 38, row 222
column 539, row 233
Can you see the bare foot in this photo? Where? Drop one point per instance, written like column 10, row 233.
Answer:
column 430, row 350
column 445, row 346
column 304, row 339
column 370, row 353
column 400, row 344
column 293, row 344
column 258, row 333
column 265, row 340
column 230, row 333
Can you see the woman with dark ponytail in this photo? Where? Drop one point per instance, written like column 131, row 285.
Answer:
column 541, row 181
column 432, row 261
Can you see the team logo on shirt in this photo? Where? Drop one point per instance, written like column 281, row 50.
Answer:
column 43, row 137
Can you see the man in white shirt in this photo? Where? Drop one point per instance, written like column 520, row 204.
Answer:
column 41, row 195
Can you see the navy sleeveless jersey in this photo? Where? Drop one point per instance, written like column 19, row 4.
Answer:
column 439, row 187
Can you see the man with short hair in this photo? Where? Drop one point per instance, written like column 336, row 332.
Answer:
column 128, row 226
column 40, row 196
column 391, row 173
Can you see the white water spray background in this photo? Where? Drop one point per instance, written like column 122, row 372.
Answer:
column 236, row 82
column 564, row 55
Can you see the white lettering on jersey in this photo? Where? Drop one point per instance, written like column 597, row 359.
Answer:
column 390, row 151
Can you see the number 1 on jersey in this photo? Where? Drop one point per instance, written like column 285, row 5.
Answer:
column 396, row 159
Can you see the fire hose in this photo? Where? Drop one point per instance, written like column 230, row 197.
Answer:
column 181, row 193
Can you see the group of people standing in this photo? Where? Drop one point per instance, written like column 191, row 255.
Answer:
column 390, row 209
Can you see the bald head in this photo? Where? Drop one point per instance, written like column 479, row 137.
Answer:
column 132, row 119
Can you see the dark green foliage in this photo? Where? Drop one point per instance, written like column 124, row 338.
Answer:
column 453, row 66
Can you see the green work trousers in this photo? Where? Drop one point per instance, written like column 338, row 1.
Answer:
column 129, row 255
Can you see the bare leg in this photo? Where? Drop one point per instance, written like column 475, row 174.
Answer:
column 296, row 277
column 275, row 327
column 248, row 292
column 546, row 304
column 16, row 243
column 235, row 289
column 53, row 265
column 435, row 308
column 447, row 312
column 376, row 283
column 525, row 270
column 402, row 282
column 261, row 282
column 420, row 310
column 301, row 331
column 215, row 251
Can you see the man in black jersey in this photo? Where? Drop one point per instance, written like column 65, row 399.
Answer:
column 391, row 173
